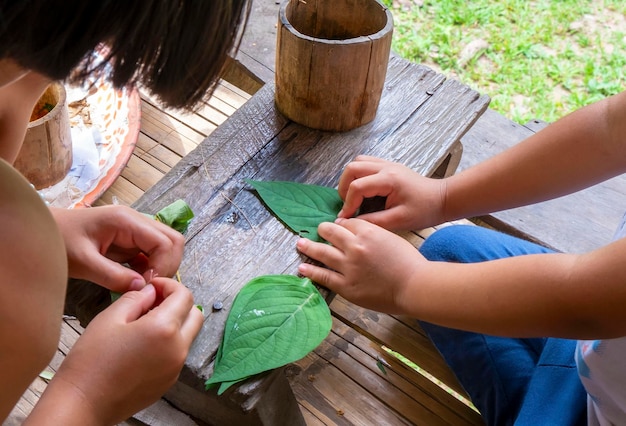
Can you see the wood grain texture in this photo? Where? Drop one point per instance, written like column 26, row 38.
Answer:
column 331, row 61
column 234, row 238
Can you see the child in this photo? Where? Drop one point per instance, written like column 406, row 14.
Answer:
column 133, row 351
column 500, row 310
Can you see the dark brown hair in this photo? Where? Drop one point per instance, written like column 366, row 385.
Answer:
column 174, row 48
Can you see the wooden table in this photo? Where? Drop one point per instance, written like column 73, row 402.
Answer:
column 234, row 238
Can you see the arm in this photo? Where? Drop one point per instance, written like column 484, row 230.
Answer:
column 575, row 296
column 563, row 295
column 32, row 288
column 579, row 150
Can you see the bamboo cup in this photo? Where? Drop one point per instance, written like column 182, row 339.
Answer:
column 331, row 61
column 46, row 154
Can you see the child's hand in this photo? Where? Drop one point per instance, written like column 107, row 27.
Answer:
column 99, row 239
column 127, row 358
column 368, row 265
column 413, row 201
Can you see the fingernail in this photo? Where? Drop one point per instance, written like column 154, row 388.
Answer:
column 303, row 268
column 340, row 214
column 147, row 288
column 301, row 243
column 137, row 284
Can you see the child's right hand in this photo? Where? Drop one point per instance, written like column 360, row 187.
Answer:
column 364, row 263
column 413, row 201
column 127, row 358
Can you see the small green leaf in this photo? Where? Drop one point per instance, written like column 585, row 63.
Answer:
column 46, row 375
column 274, row 320
column 300, row 206
column 176, row 215
column 381, row 366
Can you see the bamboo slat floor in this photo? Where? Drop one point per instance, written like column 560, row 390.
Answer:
column 351, row 378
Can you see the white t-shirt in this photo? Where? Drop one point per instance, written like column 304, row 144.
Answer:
column 602, row 370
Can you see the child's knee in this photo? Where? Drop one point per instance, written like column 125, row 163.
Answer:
column 458, row 243
column 444, row 244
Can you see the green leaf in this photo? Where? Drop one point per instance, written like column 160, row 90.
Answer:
column 274, row 320
column 300, row 206
column 176, row 215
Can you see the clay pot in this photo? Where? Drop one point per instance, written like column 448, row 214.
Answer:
column 46, row 154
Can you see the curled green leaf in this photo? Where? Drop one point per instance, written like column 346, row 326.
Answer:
column 176, row 215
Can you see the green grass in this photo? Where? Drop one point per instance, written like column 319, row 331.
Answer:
column 535, row 59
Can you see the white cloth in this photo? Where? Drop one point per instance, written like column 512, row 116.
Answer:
column 602, row 370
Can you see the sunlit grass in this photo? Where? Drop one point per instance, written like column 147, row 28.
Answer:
column 539, row 59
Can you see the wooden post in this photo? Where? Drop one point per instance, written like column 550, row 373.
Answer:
column 331, row 61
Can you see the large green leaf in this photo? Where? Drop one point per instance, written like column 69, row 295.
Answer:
column 300, row 206
column 274, row 320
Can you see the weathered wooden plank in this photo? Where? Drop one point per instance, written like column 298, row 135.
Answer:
column 257, row 142
column 403, row 389
column 168, row 131
column 222, row 106
column 265, row 399
column 121, row 192
column 162, row 414
column 213, row 174
column 398, row 337
column 157, row 157
column 315, row 380
column 310, row 419
column 141, row 173
column 200, row 120
column 228, row 98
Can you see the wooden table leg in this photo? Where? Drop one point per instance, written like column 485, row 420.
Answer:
column 261, row 401
column 449, row 164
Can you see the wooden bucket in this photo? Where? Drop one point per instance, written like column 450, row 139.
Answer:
column 331, row 61
column 46, row 153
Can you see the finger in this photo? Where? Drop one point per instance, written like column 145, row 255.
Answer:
column 328, row 278
column 368, row 186
column 192, row 325
column 110, row 274
column 387, row 219
column 133, row 304
column 357, row 169
column 163, row 247
column 323, row 253
column 177, row 300
column 370, row 158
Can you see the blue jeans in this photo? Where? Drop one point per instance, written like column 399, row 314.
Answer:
column 510, row 381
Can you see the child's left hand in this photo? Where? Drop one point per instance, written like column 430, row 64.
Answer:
column 99, row 239
column 369, row 265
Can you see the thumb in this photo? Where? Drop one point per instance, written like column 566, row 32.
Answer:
column 133, row 304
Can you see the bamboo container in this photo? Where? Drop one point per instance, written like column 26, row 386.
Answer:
column 46, row 154
column 331, row 61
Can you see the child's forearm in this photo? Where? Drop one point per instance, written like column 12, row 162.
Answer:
column 571, row 296
column 63, row 404
column 577, row 151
